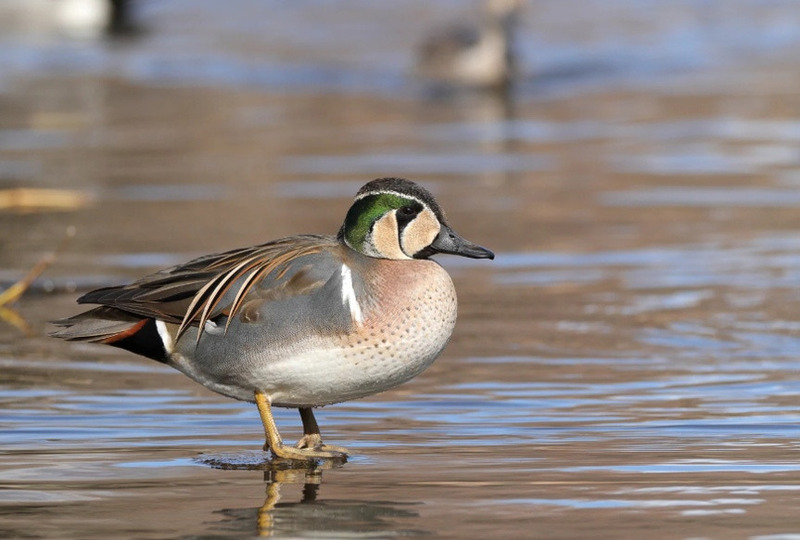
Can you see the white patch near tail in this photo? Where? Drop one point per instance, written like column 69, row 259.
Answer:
column 349, row 296
column 166, row 338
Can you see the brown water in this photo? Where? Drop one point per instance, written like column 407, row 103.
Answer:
column 627, row 367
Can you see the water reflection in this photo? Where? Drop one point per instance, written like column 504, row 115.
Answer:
column 306, row 513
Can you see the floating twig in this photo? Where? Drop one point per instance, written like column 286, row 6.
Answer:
column 15, row 291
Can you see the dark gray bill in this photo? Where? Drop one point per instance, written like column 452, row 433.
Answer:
column 449, row 242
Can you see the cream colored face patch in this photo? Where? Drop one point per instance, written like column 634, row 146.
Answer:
column 384, row 237
column 420, row 232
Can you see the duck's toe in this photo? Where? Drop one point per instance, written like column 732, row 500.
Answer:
column 313, row 442
column 307, row 454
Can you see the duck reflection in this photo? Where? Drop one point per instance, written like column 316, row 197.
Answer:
column 307, row 513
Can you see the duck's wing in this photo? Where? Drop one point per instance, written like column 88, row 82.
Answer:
column 205, row 288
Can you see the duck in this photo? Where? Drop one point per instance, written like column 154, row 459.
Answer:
column 299, row 322
column 473, row 55
column 71, row 19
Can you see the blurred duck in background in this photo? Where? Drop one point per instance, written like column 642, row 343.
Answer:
column 74, row 19
column 473, row 56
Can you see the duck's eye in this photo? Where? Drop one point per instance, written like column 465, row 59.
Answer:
column 408, row 210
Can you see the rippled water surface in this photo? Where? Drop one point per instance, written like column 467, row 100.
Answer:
column 627, row 367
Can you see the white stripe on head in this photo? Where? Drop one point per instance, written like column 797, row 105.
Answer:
column 390, row 192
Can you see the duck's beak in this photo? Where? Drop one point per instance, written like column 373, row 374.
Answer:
column 448, row 241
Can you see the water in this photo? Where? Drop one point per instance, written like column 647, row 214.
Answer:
column 627, row 366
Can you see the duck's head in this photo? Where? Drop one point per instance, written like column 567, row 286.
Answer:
column 394, row 218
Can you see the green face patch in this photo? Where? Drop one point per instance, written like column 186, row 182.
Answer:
column 365, row 212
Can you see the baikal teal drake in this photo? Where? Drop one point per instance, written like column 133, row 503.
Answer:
column 303, row 321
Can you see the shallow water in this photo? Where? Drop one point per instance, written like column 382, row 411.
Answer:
column 627, row 366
